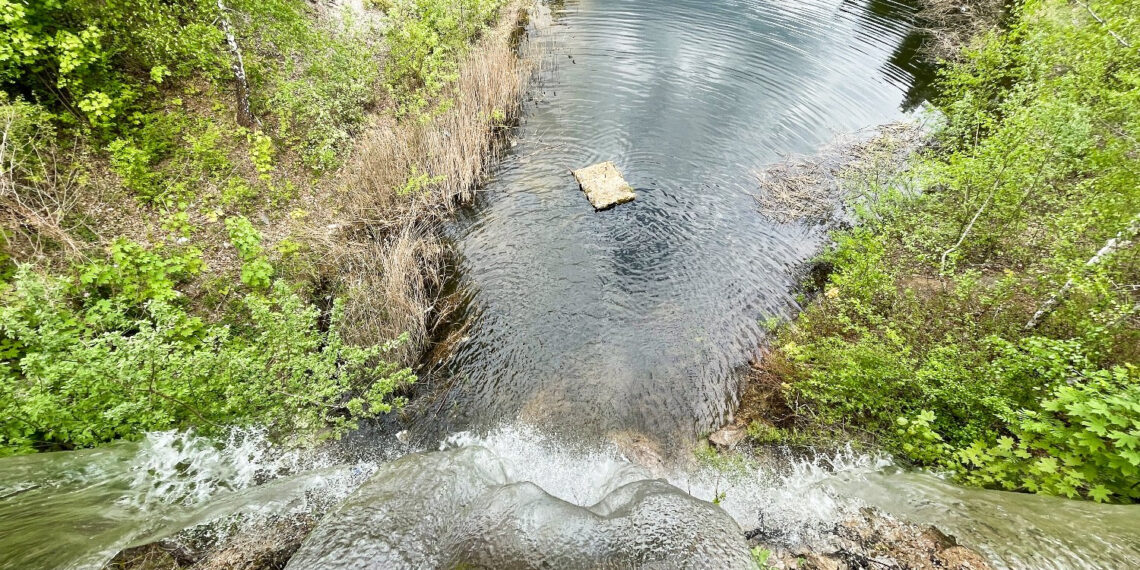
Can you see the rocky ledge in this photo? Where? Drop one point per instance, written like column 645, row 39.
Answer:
column 871, row 540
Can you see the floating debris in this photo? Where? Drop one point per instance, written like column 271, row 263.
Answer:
column 604, row 185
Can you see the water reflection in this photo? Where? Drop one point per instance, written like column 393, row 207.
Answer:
column 637, row 318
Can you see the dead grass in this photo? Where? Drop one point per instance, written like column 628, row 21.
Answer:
column 388, row 252
column 951, row 24
column 391, row 287
column 817, row 188
column 453, row 149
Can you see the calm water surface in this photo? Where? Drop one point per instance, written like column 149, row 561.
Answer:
column 639, row 318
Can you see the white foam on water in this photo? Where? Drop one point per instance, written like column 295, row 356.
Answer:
column 576, row 474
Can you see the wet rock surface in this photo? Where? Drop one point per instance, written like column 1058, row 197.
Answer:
column 873, row 540
column 604, row 185
column 265, row 546
column 457, row 509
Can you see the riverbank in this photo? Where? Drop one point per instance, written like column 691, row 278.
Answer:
column 224, row 244
column 979, row 318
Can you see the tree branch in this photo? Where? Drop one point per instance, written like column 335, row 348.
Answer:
column 1115, row 35
column 1121, row 240
column 965, row 232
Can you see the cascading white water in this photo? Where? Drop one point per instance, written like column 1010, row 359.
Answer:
column 77, row 509
column 531, row 497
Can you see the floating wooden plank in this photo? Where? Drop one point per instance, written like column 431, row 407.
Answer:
column 604, row 185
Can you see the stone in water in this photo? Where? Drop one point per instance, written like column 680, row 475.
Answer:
column 604, row 185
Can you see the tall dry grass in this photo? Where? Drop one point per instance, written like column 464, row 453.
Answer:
column 456, row 146
column 390, row 288
column 392, row 259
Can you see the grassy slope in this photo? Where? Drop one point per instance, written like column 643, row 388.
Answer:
column 170, row 268
column 920, row 343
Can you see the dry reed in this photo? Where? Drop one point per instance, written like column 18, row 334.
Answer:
column 817, row 188
column 388, row 253
column 951, row 24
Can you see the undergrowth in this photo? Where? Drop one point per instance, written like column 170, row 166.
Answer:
column 164, row 266
column 972, row 327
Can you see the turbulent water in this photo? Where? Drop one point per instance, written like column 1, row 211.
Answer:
column 638, row 319
column 618, row 333
column 510, row 499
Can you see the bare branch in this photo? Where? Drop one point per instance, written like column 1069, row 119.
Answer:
column 1115, row 35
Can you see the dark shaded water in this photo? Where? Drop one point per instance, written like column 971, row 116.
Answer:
column 639, row 318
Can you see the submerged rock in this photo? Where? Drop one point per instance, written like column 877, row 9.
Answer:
column 874, row 540
column 604, row 185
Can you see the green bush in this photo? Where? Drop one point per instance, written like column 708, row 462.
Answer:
column 116, row 355
column 256, row 271
column 426, row 44
column 920, row 340
column 93, row 62
column 316, row 78
column 1083, row 442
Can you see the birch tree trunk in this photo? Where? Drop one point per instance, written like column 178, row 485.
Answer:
column 245, row 116
column 1120, row 241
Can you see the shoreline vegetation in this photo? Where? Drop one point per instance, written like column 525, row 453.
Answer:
column 980, row 317
column 222, row 213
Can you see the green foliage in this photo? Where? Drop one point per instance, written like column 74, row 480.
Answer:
column 261, row 155
column 426, row 42
column 418, row 182
column 117, row 355
column 135, row 275
column 760, row 556
column 256, row 271
column 920, row 342
column 94, row 63
column 316, row 78
column 1083, row 442
column 764, row 433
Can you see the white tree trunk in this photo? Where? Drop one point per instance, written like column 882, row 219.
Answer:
column 245, row 116
column 1120, row 241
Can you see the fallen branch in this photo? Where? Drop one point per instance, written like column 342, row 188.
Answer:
column 1120, row 241
column 970, row 226
column 1115, row 35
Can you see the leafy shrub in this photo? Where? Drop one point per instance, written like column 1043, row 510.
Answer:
column 1083, row 442
column 922, row 339
column 93, row 63
column 117, row 355
column 134, row 274
column 426, row 43
column 256, row 271
column 316, row 77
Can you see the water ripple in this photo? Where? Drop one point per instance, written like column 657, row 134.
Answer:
column 637, row 318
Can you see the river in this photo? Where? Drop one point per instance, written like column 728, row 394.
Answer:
column 584, row 331
column 640, row 318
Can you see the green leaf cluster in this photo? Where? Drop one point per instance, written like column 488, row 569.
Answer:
column 427, row 41
column 256, row 271
column 115, row 354
column 919, row 342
